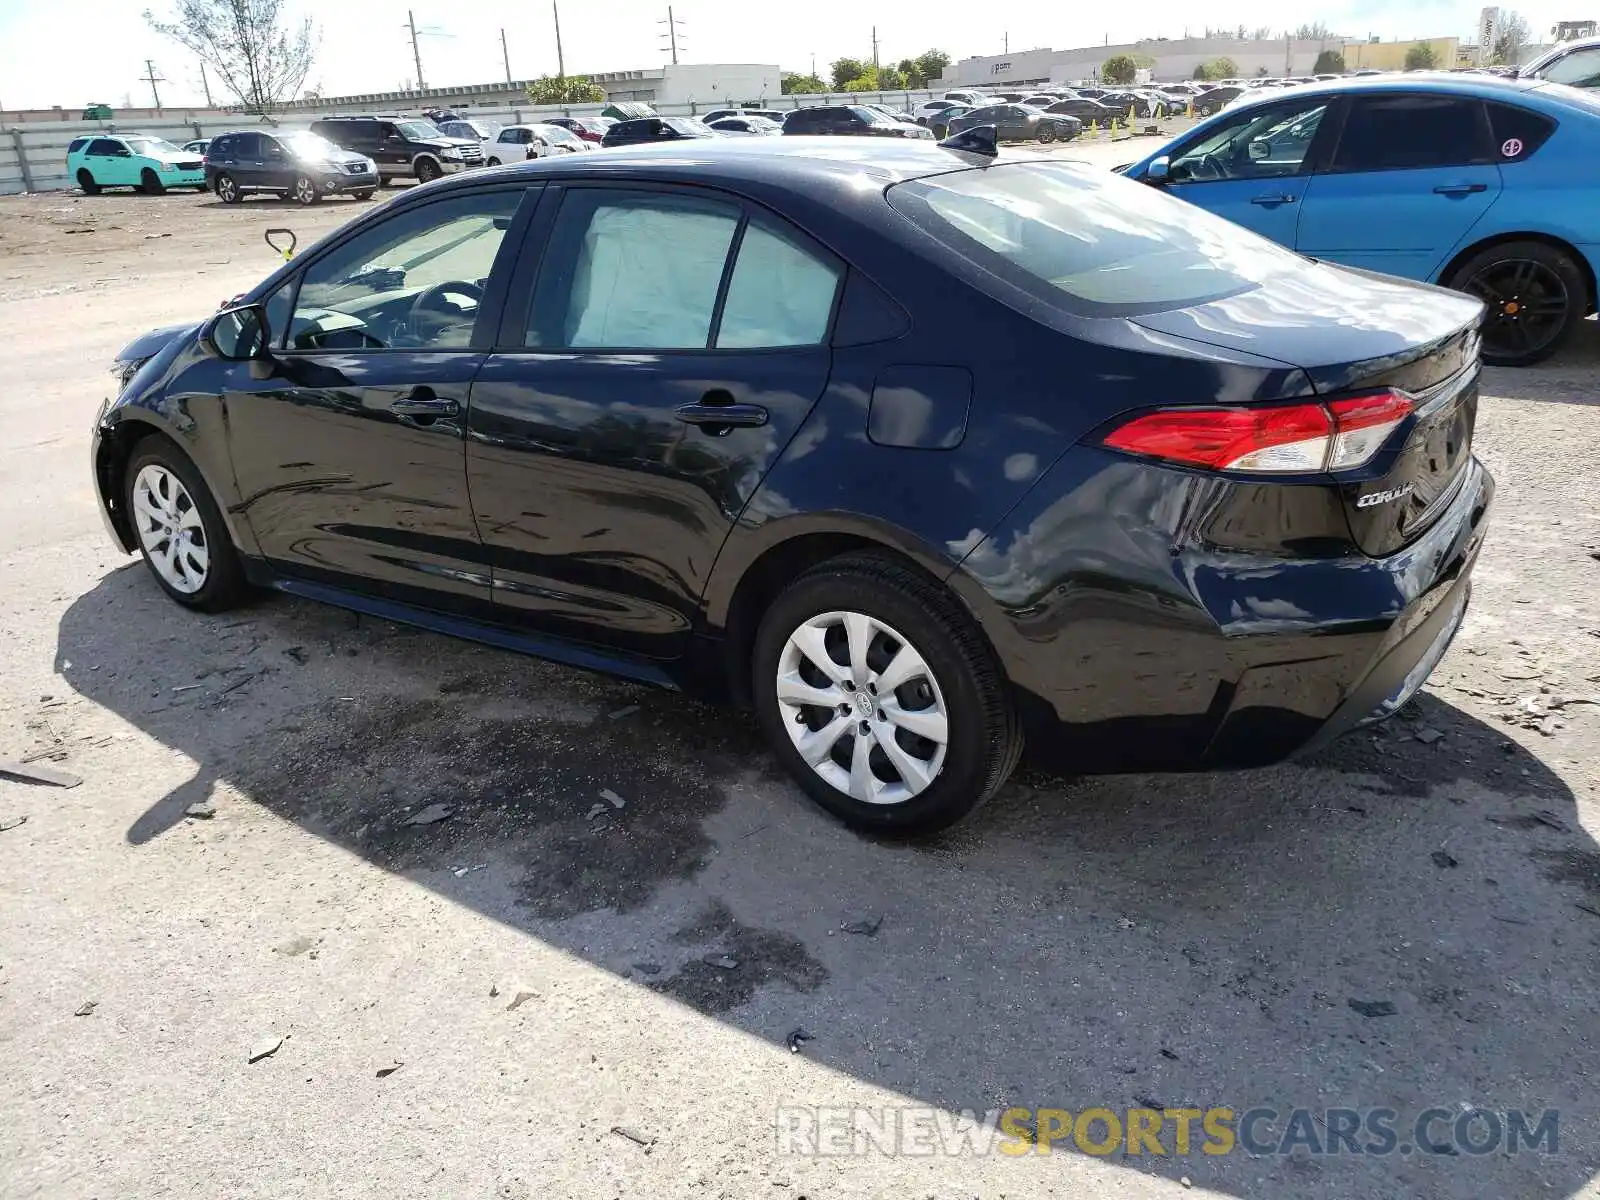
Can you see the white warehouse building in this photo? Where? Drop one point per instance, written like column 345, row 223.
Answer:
column 1174, row 59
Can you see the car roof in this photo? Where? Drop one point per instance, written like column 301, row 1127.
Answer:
column 1483, row 87
column 790, row 162
column 1559, row 50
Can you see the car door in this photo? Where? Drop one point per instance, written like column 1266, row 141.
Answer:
column 112, row 163
column 349, row 457
column 1254, row 169
column 673, row 343
column 1412, row 172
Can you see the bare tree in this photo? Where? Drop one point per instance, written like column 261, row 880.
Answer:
column 262, row 55
column 1512, row 38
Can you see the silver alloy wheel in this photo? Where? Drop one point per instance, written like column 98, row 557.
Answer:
column 862, row 707
column 304, row 190
column 227, row 189
column 170, row 530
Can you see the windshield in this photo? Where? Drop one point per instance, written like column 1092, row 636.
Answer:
column 151, row 146
column 418, row 130
column 554, row 133
column 1105, row 245
column 691, row 126
column 308, row 145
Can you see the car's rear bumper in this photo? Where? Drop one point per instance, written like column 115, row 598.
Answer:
column 1247, row 660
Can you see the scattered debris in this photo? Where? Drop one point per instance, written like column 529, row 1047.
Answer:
column 1126, row 923
column 867, row 928
column 431, row 815
column 598, row 810
column 1428, row 735
column 1149, row 1102
column 203, row 809
column 1185, row 1181
column 1374, row 1008
column 298, row 653
column 1589, row 908
column 1172, row 1054
column 1509, row 920
column 33, row 773
column 1549, row 820
column 615, row 800
column 188, row 687
column 494, row 990
column 265, row 1048
column 798, row 1038
column 385, row 1072
column 647, row 968
column 1355, row 808
column 634, row 1136
column 723, row 962
column 87, row 1007
column 520, row 999
column 10, row 823
column 461, row 872
column 623, row 712
column 1442, row 859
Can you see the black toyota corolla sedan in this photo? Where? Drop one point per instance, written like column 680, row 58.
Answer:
column 920, row 452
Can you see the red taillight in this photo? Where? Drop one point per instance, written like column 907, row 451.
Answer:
column 1271, row 439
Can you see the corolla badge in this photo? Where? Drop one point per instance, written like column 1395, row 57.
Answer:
column 1372, row 498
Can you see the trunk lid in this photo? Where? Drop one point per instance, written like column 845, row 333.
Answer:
column 1354, row 331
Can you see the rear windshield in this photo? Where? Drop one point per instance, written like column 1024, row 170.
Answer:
column 1087, row 240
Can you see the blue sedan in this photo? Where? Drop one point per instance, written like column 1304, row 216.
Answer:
column 1481, row 184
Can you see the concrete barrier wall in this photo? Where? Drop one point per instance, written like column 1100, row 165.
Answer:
column 33, row 156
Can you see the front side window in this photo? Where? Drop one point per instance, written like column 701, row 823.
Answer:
column 308, row 145
column 1088, row 240
column 413, row 282
column 1407, row 132
column 1254, row 145
column 417, row 131
column 1581, row 68
column 632, row 270
column 106, row 148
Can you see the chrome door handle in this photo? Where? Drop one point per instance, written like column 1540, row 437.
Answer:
column 1460, row 189
column 422, row 402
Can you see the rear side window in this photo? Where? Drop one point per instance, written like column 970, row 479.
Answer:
column 77, row 144
column 105, row 146
column 1517, row 131
column 632, row 270
column 1089, row 241
column 804, row 118
column 1401, row 132
column 780, row 294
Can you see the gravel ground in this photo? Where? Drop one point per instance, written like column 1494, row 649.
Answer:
column 470, row 1007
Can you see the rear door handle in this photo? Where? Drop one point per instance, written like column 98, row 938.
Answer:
column 423, row 402
column 717, row 413
column 1269, row 201
column 1460, row 189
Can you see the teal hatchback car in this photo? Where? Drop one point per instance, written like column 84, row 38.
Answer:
column 146, row 164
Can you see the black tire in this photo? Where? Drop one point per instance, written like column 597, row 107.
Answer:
column 984, row 737
column 1046, row 135
column 363, row 194
column 493, row 162
column 225, row 585
column 228, row 190
column 384, row 181
column 428, row 170
column 1555, row 284
column 150, row 183
column 86, row 182
column 305, row 191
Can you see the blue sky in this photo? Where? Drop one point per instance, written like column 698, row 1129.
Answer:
column 365, row 48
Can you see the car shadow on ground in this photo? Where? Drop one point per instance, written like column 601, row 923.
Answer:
column 1408, row 920
column 1566, row 378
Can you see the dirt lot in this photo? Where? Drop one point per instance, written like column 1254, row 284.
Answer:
column 475, row 1007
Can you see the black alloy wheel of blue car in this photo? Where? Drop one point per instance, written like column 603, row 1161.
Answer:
column 1536, row 296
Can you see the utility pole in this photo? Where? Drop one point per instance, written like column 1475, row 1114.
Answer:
column 671, row 35
column 1005, row 43
column 416, row 50
column 561, row 62
column 504, row 53
column 150, row 74
column 874, row 51
column 205, row 84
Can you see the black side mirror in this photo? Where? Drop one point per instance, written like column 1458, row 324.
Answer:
column 241, row 334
